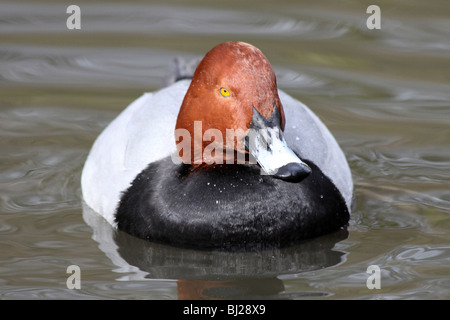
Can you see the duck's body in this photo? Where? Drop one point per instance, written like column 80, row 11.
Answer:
column 133, row 179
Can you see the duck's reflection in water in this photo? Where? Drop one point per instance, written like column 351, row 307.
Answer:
column 253, row 274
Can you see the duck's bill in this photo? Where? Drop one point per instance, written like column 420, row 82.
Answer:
column 267, row 147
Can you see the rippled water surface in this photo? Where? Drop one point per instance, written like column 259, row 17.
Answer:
column 385, row 95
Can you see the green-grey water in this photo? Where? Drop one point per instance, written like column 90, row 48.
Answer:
column 384, row 93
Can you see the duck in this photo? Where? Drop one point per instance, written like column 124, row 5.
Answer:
column 221, row 159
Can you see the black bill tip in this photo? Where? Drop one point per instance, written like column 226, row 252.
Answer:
column 293, row 172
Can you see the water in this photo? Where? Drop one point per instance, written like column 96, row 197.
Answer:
column 385, row 95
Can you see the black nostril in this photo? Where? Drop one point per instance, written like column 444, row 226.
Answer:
column 293, row 172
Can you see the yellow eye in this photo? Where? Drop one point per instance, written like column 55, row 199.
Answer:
column 224, row 92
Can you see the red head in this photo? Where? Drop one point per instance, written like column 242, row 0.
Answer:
column 232, row 110
column 231, row 79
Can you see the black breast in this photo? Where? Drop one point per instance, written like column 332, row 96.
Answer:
column 228, row 206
